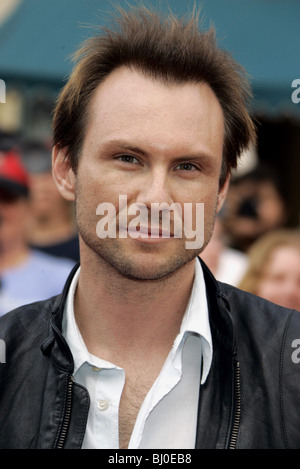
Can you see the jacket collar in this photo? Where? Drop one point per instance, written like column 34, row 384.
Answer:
column 216, row 395
column 219, row 311
column 219, row 314
column 55, row 342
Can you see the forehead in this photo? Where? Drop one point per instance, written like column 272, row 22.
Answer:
column 129, row 102
column 284, row 256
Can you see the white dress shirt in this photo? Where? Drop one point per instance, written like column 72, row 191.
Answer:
column 168, row 415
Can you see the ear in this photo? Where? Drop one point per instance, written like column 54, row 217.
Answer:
column 63, row 174
column 223, row 193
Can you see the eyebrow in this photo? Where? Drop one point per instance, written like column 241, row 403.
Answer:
column 125, row 145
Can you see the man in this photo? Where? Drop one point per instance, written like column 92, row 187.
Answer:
column 53, row 229
column 26, row 274
column 144, row 349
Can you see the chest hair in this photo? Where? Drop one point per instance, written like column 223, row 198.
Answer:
column 135, row 390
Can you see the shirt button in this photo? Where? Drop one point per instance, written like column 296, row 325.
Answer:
column 103, row 404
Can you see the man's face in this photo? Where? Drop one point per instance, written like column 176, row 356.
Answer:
column 154, row 144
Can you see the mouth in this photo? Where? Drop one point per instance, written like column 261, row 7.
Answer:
column 154, row 232
column 146, row 233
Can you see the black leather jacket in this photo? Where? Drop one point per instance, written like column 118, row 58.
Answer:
column 250, row 399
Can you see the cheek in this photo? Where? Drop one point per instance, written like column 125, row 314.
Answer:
column 266, row 289
column 90, row 193
column 99, row 183
column 210, row 208
column 196, row 198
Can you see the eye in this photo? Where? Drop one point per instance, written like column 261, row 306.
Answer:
column 128, row 159
column 186, row 166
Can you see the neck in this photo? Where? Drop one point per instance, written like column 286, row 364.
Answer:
column 120, row 317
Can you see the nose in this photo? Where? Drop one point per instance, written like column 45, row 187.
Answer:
column 155, row 188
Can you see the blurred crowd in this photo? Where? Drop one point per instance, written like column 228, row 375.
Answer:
column 251, row 248
column 38, row 238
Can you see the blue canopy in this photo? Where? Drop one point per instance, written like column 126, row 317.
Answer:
column 263, row 35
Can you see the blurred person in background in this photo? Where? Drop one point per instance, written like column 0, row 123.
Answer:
column 274, row 268
column 26, row 275
column 255, row 205
column 144, row 348
column 53, row 228
column 227, row 264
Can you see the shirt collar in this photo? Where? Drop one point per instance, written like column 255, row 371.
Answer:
column 195, row 321
column 70, row 329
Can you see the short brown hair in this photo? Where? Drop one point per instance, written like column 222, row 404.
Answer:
column 170, row 49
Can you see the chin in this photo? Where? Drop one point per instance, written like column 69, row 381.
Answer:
column 150, row 269
column 140, row 263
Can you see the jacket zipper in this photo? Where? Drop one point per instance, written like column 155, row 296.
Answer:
column 237, row 408
column 67, row 415
column 235, row 424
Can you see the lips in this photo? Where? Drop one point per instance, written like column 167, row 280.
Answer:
column 150, row 232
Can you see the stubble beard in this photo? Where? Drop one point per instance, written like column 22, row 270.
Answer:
column 114, row 253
